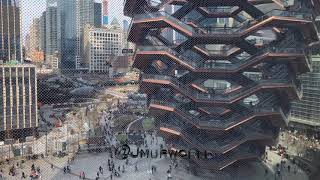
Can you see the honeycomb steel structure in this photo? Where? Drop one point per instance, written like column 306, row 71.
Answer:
column 221, row 87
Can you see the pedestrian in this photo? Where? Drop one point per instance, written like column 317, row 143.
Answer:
column 64, row 169
column 101, row 170
column 23, row 176
column 289, row 167
column 123, row 170
column 51, row 166
column 98, row 174
column 119, row 168
column 135, row 167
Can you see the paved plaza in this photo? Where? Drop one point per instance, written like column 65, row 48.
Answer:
column 89, row 163
column 95, row 165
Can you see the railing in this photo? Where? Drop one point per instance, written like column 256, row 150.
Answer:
column 163, row 14
column 175, row 128
column 216, row 65
column 224, row 30
column 219, row 9
column 222, row 160
column 218, row 123
column 218, row 97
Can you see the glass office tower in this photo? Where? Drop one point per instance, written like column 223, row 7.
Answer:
column 10, row 30
column 66, row 18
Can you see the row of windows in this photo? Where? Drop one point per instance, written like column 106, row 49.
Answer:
column 104, row 34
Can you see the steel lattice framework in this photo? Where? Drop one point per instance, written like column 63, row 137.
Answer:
column 221, row 87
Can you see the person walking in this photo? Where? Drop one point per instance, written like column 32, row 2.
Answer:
column 136, row 167
column 101, row 170
column 23, row 176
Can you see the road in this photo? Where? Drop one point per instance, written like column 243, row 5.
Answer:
column 129, row 126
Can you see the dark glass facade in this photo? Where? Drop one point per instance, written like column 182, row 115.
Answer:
column 66, row 18
column 97, row 14
column 226, row 86
column 10, row 30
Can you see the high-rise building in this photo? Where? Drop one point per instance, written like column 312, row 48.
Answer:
column 72, row 18
column 42, row 34
column 34, row 34
column 51, row 33
column 84, row 16
column 66, row 14
column 102, row 46
column 10, row 48
column 97, row 14
column 305, row 114
column 36, row 54
column 27, row 45
column 219, row 90
column 105, row 13
column 18, row 100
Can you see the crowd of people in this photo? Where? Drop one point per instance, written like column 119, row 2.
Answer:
column 17, row 168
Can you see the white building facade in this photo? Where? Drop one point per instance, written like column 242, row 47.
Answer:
column 102, row 46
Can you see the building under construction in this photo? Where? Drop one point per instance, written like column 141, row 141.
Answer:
column 225, row 85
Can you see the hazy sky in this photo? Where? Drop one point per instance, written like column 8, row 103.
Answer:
column 34, row 8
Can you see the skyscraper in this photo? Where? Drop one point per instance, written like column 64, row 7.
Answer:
column 42, row 43
column 18, row 82
column 10, row 48
column 84, row 16
column 18, row 101
column 36, row 54
column 66, row 14
column 105, row 13
column 27, row 45
column 97, row 14
column 51, row 32
column 73, row 15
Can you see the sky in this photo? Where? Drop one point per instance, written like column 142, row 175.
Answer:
column 33, row 8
